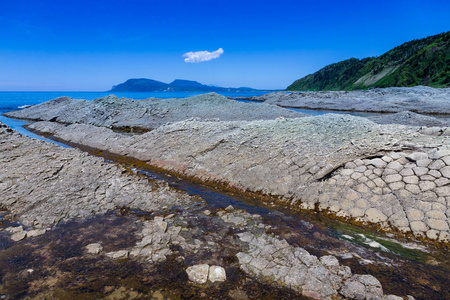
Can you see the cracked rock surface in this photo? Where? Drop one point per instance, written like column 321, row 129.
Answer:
column 42, row 184
column 150, row 113
column 419, row 99
column 350, row 166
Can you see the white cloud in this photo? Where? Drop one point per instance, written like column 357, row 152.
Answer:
column 201, row 56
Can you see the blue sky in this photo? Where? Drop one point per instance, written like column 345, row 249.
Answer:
column 78, row 45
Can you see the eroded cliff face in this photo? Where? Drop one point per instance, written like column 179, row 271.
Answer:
column 392, row 176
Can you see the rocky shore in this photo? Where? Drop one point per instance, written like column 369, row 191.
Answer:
column 148, row 114
column 43, row 184
column 419, row 99
column 390, row 176
column 404, row 106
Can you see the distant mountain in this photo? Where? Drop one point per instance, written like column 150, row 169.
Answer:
column 178, row 85
column 418, row 62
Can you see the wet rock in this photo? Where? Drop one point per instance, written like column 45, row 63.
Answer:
column 118, row 254
column 95, row 248
column 13, row 230
column 66, row 183
column 156, row 237
column 217, row 274
column 399, row 179
column 362, row 287
column 18, row 236
column 198, row 273
column 36, row 232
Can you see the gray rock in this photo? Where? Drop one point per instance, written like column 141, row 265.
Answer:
column 94, row 248
column 18, row 236
column 397, row 100
column 149, row 113
column 36, row 232
column 118, row 254
column 198, row 273
column 66, row 183
column 217, row 274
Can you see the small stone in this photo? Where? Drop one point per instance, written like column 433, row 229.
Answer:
column 13, row 230
column 18, row 236
column 229, row 208
column 217, row 273
column 36, row 232
column 198, row 273
column 94, row 248
column 118, row 254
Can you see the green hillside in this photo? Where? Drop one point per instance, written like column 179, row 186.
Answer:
column 418, row 62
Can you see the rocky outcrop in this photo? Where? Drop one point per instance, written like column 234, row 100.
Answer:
column 413, row 119
column 42, row 184
column 417, row 99
column 150, row 113
column 391, row 176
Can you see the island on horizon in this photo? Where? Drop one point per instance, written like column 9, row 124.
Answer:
column 178, row 85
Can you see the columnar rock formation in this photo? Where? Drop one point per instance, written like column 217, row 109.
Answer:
column 392, row 176
column 42, row 184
